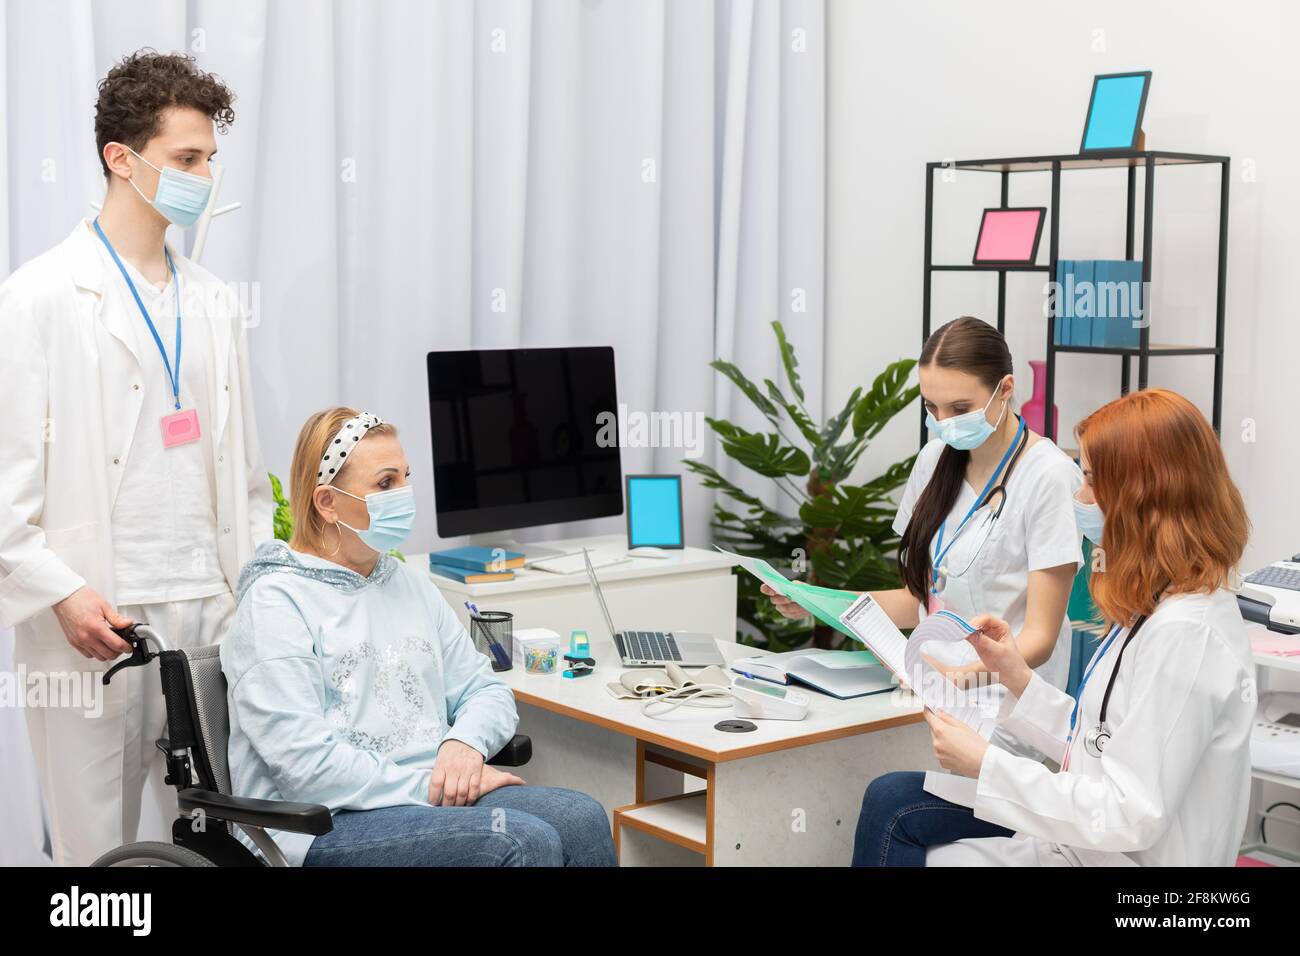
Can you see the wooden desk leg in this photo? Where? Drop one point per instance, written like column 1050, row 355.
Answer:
column 800, row 807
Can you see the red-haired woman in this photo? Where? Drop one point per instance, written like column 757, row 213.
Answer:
column 1154, row 756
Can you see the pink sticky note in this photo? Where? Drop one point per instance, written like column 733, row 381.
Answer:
column 1008, row 235
column 180, row 428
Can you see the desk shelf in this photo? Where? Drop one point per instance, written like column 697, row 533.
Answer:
column 682, row 820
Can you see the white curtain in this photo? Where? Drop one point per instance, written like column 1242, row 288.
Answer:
column 646, row 174
column 771, row 184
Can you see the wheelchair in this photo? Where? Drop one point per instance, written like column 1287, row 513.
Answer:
column 198, row 728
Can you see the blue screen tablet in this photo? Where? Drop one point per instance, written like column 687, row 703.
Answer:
column 1115, row 111
column 654, row 511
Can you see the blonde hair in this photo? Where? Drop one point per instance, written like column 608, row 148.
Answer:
column 308, row 525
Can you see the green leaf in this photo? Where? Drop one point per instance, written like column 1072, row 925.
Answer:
column 763, row 454
column 849, row 510
column 797, row 415
column 714, row 480
column 770, row 411
column 887, row 396
column 282, row 518
column 831, row 456
column 788, row 360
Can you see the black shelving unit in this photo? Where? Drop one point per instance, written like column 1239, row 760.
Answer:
column 1147, row 160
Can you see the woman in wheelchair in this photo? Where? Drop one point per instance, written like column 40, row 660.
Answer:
column 353, row 685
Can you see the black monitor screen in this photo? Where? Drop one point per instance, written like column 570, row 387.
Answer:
column 515, row 437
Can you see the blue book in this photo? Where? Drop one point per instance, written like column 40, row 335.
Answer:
column 1064, row 307
column 1129, row 273
column 1105, row 303
column 469, row 576
column 1085, row 303
column 478, row 558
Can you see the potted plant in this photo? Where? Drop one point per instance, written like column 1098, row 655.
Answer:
column 827, row 531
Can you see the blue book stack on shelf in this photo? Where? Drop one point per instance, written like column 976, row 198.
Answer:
column 1098, row 302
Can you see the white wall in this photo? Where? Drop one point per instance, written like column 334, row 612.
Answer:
column 930, row 80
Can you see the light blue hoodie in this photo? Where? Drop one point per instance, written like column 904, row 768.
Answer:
column 342, row 687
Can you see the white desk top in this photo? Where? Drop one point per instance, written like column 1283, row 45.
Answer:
column 690, row 730
column 685, row 561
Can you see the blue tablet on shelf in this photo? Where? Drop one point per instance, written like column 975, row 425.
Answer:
column 654, row 511
column 1115, row 111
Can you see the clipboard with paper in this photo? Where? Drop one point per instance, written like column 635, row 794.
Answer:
column 910, row 659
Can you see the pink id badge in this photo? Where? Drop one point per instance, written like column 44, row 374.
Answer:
column 180, row 428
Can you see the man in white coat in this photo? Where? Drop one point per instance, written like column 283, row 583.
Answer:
column 131, row 483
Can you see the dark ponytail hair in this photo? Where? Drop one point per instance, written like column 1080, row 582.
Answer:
column 975, row 347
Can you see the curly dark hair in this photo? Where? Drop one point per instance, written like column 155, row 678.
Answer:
column 141, row 86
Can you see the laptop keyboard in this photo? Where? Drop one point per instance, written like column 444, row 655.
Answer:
column 651, row 646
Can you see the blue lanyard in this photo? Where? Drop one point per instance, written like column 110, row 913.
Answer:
column 938, row 541
column 1078, row 694
column 173, row 378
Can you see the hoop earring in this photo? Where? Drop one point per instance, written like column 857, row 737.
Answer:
column 340, row 544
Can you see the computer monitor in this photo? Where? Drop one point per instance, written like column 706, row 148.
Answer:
column 522, row 437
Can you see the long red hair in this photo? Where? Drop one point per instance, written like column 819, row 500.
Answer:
column 1174, row 518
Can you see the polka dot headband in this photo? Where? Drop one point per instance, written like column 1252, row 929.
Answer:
column 341, row 443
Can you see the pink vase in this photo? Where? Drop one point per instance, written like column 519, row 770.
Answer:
column 1033, row 410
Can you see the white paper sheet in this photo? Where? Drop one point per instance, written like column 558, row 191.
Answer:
column 869, row 622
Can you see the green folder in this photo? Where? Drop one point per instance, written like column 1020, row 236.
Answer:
column 825, row 604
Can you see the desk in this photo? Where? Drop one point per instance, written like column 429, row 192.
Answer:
column 678, row 791
column 682, row 793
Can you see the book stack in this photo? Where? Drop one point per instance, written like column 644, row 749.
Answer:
column 1097, row 302
column 476, row 565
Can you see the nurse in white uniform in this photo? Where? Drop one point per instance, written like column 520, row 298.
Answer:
column 1154, row 756
column 986, row 518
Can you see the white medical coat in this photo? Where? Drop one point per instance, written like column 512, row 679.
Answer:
column 1171, row 788
column 71, row 394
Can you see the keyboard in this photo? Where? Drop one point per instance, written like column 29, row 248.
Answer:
column 1288, row 579
column 651, row 646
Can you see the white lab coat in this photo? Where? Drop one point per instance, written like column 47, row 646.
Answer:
column 1171, row 788
column 71, row 394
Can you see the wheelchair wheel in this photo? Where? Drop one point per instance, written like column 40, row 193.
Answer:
column 152, row 853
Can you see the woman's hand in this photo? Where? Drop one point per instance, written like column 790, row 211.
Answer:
column 996, row 646
column 460, row 776
column 457, row 777
column 783, row 604
column 493, row 778
column 958, row 747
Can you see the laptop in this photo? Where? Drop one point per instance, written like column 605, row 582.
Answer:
column 652, row 648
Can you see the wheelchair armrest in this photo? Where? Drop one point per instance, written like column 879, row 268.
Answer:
column 269, row 814
column 514, row 754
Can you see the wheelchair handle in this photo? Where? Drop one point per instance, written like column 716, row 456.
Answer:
column 138, row 636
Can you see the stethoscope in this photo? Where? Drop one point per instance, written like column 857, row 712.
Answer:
column 1095, row 740
column 1001, row 475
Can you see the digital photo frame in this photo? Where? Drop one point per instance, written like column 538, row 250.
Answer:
column 1009, row 237
column 1115, row 112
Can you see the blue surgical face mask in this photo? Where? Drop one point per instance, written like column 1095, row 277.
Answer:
column 1089, row 519
column 181, row 197
column 392, row 515
column 964, row 432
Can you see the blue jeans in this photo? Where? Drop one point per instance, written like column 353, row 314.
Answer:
column 899, row 820
column 511, row 826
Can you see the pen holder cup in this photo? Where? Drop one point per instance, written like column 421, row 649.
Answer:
column 493, row 635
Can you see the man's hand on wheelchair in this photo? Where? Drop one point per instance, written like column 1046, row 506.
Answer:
column 460, row 776
column 88, row 621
